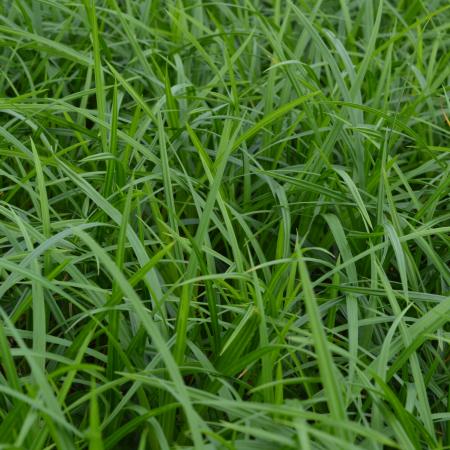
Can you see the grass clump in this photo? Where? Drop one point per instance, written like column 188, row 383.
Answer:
column 224, row 225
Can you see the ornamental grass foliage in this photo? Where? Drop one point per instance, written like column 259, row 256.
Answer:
column 224, row 224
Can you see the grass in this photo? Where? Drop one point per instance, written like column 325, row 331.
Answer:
column 224, row 225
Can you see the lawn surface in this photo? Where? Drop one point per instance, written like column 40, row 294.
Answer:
column 224, row 225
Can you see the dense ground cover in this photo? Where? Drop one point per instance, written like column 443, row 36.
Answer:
column 224, row 225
